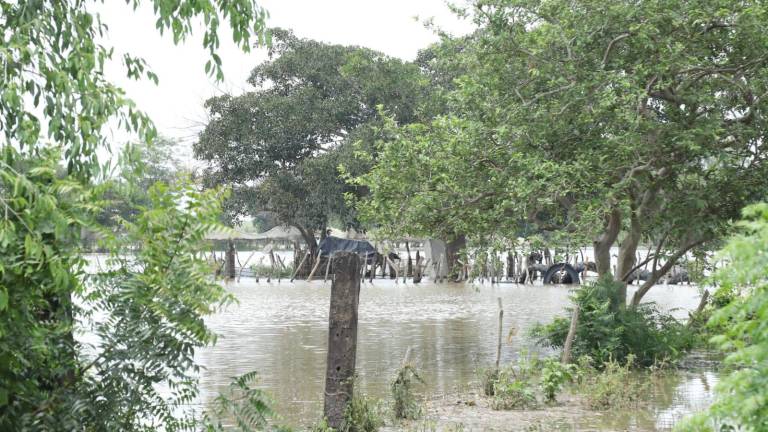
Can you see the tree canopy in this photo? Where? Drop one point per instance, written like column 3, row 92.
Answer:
column 629, row 121
column 280, row 145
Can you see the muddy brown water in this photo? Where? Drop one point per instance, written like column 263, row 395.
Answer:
column 280, row 330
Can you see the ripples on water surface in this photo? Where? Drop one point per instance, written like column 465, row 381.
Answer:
column 280, row 330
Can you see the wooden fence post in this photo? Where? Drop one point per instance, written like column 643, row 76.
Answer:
column 230, row 260
column 299, row 266
column 571, row 335
column 417, row 270
column 501, row 324
column 342, row 337
column 409, row 270
column 314, row 269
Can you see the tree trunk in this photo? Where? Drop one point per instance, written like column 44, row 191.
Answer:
column 309, row 238
column 409, row 270
column 417, row 270
column 453, row 251
column 627, row 256
column 342, row 337
column 604, row 242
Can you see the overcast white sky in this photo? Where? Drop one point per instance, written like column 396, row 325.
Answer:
column 176, row 104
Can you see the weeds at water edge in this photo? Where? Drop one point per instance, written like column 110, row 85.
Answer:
column 405, row 405
column 615, row 386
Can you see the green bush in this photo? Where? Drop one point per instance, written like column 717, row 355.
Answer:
column 554, row 375
column 513, row 391
column 265, row 270
column 321, row 426
column 605, row 333
column 248, row 407
column 361, row 415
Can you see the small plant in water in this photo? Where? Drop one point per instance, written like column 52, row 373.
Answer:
column 405, row 405
column 612, row 387
column 247, row 406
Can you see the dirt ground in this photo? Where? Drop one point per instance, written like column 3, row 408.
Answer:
column 472, row 413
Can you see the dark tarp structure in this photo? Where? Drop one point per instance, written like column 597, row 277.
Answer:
column 331, row 245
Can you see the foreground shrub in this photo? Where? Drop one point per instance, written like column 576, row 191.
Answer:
column 741, row 401
column 248, row 407
column 605, row 334
column 266, row 270
column 488, row 377
column 321, row 426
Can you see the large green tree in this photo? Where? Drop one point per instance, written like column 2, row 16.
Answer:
column 280, row 145
column 630, row 121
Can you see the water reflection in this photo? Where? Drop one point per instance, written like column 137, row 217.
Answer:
column 280, row 330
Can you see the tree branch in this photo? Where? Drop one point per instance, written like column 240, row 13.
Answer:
column 610, row 48
column 656, row 275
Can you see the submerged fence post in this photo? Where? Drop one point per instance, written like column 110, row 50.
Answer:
column 571, row 335
column 314, row 269
column 342, row 337
column 230, row 260
column 304, row 258
column 417, row 270
column 501, row 324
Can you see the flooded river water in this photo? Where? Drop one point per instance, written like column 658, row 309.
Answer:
column 280, row 330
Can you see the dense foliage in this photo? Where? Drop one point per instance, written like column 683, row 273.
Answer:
column 741, row 402
column 101, row 348
column 116, row 351
column 606, row 334
column 39, row 273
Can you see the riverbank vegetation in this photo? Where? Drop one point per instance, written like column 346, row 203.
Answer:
column 740, row 402
column 603, row 334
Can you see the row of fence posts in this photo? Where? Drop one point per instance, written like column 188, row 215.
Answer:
column 486, row 266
